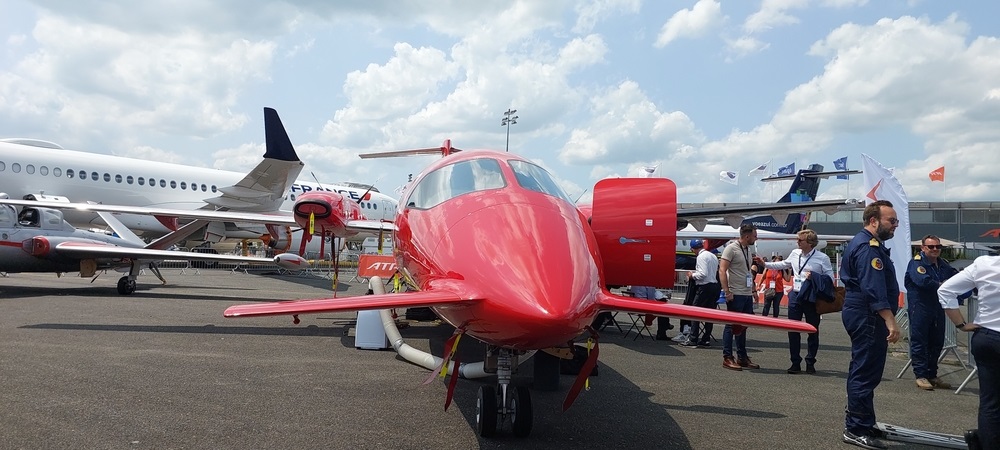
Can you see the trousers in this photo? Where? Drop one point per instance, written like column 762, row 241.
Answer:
column 868, row 351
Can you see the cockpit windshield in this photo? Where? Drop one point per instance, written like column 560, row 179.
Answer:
column 456, row 179
column 535, row 178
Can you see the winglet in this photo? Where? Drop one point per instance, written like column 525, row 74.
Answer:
column 278, row 145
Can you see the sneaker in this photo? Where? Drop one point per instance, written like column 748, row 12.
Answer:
column 705, row 344
column 747, row 364
column 689, row 343
column 864, row 441
column 680, row 337
column 794, row 369
column 925, row 384
column 810, row 369
column 730, row 363
column 939, row 383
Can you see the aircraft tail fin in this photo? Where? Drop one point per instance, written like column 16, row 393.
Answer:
column 804, row 188
column 119, row 228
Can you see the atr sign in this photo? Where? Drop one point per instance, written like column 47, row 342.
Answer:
column 376, row 266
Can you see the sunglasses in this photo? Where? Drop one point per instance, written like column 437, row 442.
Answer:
column 934, row 247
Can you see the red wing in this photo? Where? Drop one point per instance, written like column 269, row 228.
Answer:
column 614, row 302
column 361, row 302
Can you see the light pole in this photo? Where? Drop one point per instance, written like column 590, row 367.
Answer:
column 508, row 119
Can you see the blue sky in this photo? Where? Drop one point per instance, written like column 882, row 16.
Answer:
column 602, row 88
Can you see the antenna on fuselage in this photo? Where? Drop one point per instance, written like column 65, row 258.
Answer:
column 317, row 181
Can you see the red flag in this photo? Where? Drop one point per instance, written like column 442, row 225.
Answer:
column 937, row 174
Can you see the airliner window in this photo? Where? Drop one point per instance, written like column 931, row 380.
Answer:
column 204, row 188
column 129, row 179
column 95, row 176
column 456, row 179
column 56, row 172
column 142, row 181
column 107, row 177
column 118, row 178
column 69, row 173
column 43, row 170
column 82, row 174
column 535, row 178
column 184, row 185
column 213, row 188
column 30, row 169
column 173, row 184
column 16, row 168
column 163, row 183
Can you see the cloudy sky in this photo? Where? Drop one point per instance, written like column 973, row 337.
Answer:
column 601, row 88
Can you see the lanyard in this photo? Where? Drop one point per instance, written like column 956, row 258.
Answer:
column 746, row 256
column 802, row 264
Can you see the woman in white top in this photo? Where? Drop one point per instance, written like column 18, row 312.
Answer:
column 805, row 262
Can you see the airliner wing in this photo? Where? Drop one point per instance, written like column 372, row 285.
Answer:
column 734, row 233
column 279, row 218
column 264, row 187
column 829, row 206
column 84, row 250
column 427, row 298
column 609, row 301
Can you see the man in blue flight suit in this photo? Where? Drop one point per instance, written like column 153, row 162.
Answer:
column 924, row 275
column 869, row 316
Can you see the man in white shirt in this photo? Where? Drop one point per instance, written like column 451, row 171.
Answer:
column 804, row 261
column 983, row 275
column 704, row 280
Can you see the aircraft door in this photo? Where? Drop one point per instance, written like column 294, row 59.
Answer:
column 635, row 225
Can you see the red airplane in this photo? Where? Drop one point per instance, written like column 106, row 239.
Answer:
column 499, row 251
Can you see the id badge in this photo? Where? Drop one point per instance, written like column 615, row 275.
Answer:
column 770, row 284
column 797, row 282
column 749, row 281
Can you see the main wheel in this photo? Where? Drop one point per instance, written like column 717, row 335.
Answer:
column 520, row 415
column 486, row 411
column 123, row 285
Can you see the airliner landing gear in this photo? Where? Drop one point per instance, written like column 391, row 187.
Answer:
column 497, row 406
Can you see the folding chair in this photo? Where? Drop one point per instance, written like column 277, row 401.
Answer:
column 640, row 323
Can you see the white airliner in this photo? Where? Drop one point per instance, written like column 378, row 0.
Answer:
column 41, row 170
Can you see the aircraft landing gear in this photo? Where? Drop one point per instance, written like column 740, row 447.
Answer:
column 496, row 406
column 126, row 286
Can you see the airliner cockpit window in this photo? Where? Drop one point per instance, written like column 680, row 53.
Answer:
column 456, row 179
column 535, row 178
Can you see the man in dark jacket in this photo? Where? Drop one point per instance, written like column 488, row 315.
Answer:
column 924, row 275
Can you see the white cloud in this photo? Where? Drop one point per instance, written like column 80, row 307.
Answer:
column 693, row 22
column 773, row 13
column 589, row 13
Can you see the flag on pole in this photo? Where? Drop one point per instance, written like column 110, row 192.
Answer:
column 729, row 177
column 841, row 164
column 937, row 174
column 881, row 184
column 788, row 170
column 761, row 169
column 650, row 170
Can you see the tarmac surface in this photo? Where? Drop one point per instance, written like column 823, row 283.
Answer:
column 82, row 367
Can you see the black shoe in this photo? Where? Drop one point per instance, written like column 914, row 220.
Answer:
column 864, row 441
column 705, row 344
column 670, row 326
column 689, row 343
column 662, row 337
column 972, row 439
column 796, row 368
column 810, row 369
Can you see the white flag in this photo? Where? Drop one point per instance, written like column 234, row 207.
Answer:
column 881, row 184
column 761, row 169
column 729, row 177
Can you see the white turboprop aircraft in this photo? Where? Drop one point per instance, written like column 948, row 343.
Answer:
column 40, row 170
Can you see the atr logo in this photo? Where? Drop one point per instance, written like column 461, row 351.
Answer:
column 382, row 266
column 994, row 233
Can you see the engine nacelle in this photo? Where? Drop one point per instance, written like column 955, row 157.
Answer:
column 41, row 197
column 278, row 238
column 328, row 211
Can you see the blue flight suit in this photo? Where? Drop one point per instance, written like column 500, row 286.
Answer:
column 927, row 320
column 871, row 286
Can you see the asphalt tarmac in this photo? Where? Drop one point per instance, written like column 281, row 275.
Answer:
column 82, row 367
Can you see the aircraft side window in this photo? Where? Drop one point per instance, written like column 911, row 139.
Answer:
column 533, row 177
column 95, row 176
column 204, row 188
column 56, row 172
column 183, row 185
column 142, row 181
column 43, row 170
column 30, row 169
column 28, row 217
column 16, row 168
column 213, row 189
column 129, row 179
column 163, row 183
column 118, row 178
column 107, row 178
column 173, row 184
column 69, row 173
column 82, row 174
column 456, row 179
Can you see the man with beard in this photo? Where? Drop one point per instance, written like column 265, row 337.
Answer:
column 869, row 316
column 737, row 285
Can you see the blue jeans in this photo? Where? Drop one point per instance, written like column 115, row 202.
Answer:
column 986, row 349
column 796, row 310
column 775, row 302
column 743, row 304
column 868, row 351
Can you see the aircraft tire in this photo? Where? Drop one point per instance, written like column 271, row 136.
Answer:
column 486, row 412
column 521, row 416
column 126, row 286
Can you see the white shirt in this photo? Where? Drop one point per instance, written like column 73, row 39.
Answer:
column 812, row 261
column 983, row 274
column 706, row 267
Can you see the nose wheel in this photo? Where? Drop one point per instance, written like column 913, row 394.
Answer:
column 504, row 404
